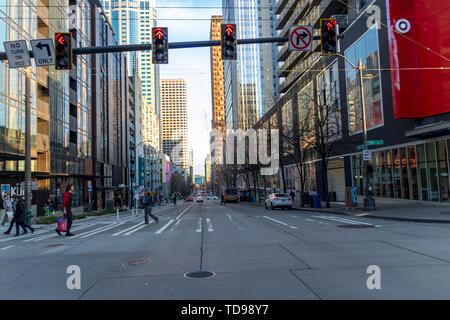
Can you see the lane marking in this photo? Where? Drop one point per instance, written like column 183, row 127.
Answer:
column 6, row 248
column 127, row 229
column 184, row 211
column 310, row 220
column 25, row 236
column 137, row 229
column 173, row 228
column 231, row 219
column 344, row 220
column 88, row 234
column 54, row 234
column 285, row 224
column 165, row 227
column 293, row 227
column 210, row 226
column 200, row 225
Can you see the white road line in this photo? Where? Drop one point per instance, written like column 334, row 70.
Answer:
column 137, row 229
column 165, row 227
column 310, row 220
column 96, row 231
column 344, row 220
column 173, row 228
column 231, row 219
column 285, row 224
column 6, row 248
column 210, row 226
column 184, row 211
column 200, row 225
column 292, row 227
column 53, row 234
column 128, row 229
column 25, row 236
column 294, row 217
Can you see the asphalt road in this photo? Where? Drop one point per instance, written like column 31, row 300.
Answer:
column 254, row 254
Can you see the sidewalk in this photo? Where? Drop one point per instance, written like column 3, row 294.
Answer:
column 386, row 209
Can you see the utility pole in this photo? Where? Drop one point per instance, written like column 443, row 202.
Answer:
column 28, row 138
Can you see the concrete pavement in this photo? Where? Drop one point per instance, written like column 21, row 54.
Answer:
column 254, row 254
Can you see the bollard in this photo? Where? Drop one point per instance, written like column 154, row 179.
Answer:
column 117, row 215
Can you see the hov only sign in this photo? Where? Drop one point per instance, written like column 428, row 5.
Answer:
column 300, row 38
column 43, row 52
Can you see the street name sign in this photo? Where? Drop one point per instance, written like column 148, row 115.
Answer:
column 300, row 38
column 43, row 52
column 17, row 53
column 371, row 143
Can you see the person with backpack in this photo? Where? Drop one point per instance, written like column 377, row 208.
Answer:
column 20, row 217
column 148, row 202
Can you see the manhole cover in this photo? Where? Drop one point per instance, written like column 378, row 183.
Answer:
column 135, row 263
column 199, row 274
column 356, row 226
column 53, row 245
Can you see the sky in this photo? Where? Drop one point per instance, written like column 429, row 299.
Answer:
column 193, row 65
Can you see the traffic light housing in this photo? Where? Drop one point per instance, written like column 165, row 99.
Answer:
column 160, row 46
column 63, row 51
column 328, row 36
column 229, row 42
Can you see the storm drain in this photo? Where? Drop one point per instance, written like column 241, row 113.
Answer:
column 135, row 263
column 53, row 245
column 356, row 226
column 199, row 275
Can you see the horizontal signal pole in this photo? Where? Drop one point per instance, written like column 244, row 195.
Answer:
column 174, row 45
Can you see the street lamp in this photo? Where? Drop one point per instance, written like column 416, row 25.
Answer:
column 369, row 201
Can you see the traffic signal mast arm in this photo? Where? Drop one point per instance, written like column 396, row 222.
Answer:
column 174, row 45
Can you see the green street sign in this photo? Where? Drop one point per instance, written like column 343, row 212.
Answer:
column 371, row 143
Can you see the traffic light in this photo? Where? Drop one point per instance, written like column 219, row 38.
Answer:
column 229, row 43
column 160, row 46
column 328, row 36
column 63, row 46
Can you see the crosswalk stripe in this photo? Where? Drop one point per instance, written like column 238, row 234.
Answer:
column 344, row 220
column 173, row 228
column 184, row 211
column 25, row 236
column 96, row 231
column 200, row 225
column 53, row 234
column 128, row 229
column 285, row 224
column 137, row 229
column 165, row 227
column 6, row 248
column 210, row 226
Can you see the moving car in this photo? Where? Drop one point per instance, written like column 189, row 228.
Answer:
column 230, row 195
column 189, row 199
column 279, row 200
column 200, row 199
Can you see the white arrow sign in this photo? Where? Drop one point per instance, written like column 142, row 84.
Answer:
column 17, row 53
column 43, row 52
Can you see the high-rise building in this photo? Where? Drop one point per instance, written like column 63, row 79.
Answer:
column 251, row 81
column 174, row 124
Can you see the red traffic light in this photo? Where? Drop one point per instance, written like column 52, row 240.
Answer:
column 331, row 24
column 159, row 33
column 229, row 29
column 59, row 37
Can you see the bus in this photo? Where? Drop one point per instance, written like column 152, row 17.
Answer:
column 230, row 195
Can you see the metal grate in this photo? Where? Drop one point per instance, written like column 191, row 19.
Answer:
column 135, row 263
column 199, row 275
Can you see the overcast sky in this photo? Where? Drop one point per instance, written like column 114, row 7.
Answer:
column 193, row 65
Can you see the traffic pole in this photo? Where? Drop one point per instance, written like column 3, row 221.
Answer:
column 28, row 138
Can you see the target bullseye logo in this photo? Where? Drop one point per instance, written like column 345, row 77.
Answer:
column 403, row 26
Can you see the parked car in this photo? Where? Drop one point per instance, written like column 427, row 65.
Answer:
column 189, row 199
column 200, row 199
column 279, row 200
column 215, row 198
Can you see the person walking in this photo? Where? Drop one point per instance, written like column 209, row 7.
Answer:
column 293, row 195
column 8, row 206
column 222, row 199
column 20, row 216
column 174, row 200
column 67, row 203
column 14, row 219
column 148, row 208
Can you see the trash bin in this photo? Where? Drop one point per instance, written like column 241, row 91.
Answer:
column 316, row 201
column 332, row 196
column 29, row 215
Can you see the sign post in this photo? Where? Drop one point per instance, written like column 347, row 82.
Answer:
column 300, row 38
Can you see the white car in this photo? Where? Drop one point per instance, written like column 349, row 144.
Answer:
column 200, row 199
column 208, row 198
column 214, row 198
column 279, row 200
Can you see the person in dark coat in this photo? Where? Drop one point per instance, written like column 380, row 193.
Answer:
column 14, row 219
column 148, row 208
column 21, row 217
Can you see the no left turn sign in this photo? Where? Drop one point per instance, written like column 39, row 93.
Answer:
column 301, row 38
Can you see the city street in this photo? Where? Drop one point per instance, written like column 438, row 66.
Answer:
column 254, row 254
